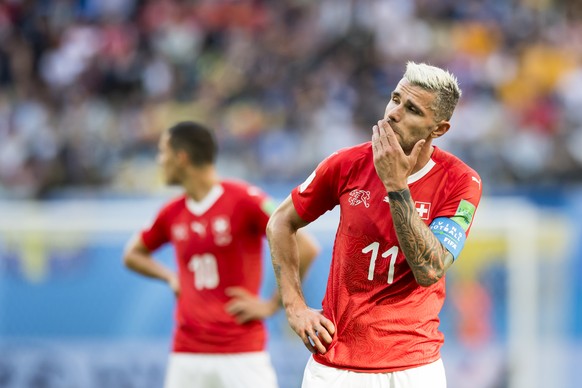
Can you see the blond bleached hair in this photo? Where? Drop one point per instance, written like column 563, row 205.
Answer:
column 442, row 83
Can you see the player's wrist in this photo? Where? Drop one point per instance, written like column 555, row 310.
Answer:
column 395, row 186
column 273, row 305
column 398, row 193
column 292, row 307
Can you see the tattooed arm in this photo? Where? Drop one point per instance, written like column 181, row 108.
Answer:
column 426, row 256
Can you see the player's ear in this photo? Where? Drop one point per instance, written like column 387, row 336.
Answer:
column 182, row 157
column 440, row 129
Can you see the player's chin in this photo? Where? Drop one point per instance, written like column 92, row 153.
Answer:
column 407, row 148
column 171, row 181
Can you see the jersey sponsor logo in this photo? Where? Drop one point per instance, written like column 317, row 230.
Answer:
column 475, row 179
column 199, row 228
column 358, row 197
column 464, row 214
column 423, row 209
column 221, row 230
column 179, row 232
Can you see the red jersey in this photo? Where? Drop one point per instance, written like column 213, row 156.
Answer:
column 218, row 243
column 384, row 320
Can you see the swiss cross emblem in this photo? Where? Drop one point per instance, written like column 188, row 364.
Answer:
column 423, row 209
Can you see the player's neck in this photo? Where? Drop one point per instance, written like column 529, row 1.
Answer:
column 423, row 157
column 200, row 181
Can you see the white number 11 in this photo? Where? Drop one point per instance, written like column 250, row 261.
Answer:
column 392, row 252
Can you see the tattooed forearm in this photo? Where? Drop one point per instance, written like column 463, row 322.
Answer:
column 277, row 271
column 425, row 255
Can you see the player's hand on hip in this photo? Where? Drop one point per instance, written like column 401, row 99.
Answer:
column 315, row 330
column 174, row 284
column 392, row 164
column 245, row 306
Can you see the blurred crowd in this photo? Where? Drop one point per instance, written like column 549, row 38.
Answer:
column 86, row 86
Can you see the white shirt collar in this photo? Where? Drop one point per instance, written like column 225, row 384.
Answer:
column 422, row 172
column 200, row 207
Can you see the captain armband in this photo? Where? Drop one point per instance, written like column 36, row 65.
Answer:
column 450, row 234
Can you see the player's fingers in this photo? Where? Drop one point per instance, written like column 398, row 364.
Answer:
column 243, row 317
column 176, row 291
column 384, row 128
column 237, row 292
column 241, row 314
column 387, row 132
column 323, row 334
column 375, row 132
column 317, row 344
column 329, row 326
column 375, row 139
column 381, row 139
column 375, row 136
column 175, row 287
column 307, row 343
column 234, row 307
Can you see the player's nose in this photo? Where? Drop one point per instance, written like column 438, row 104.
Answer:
column 394, row 114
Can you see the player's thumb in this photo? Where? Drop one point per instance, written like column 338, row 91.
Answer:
column 416, row 149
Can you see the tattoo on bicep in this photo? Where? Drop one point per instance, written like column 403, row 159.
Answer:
column 277, row 270
column 423, row 252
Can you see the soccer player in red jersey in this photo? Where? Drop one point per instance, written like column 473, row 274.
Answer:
column 406, row 208
column 217, row 228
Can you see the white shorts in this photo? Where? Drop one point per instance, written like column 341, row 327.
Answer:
column 320, row 376
column 240, row 370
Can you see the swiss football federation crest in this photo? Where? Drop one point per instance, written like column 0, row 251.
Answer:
column 423, row 209
column 359, row 196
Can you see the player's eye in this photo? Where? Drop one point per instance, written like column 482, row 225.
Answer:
column 413, row 109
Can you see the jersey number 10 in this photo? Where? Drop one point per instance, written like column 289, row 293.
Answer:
column 205, row 271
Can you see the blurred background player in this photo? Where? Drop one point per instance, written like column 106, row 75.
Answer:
column 87, row 87
column 217, row 229
column 406, row 209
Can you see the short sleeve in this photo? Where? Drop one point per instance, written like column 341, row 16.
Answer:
column 463, row 201
column 157, row 234
column 319, row 192
column 260, row 206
